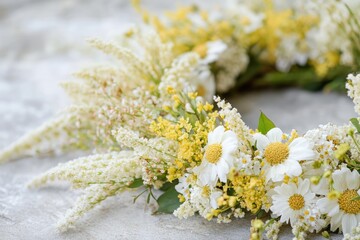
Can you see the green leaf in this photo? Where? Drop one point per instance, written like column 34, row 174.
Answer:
column 261, row 213
column 168, row 201
column 265, row 124
column 168, row 185
column 138, row 182
column 356, row 124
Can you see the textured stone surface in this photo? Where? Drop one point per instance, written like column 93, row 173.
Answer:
column 42, row 42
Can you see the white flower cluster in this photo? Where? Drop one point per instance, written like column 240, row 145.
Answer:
column 354, row 235
column 326, row 139
column 190, row 74
column 155, row 153
column 231, row 63
column 233, row 120
column 327, row 32
column 353, row 87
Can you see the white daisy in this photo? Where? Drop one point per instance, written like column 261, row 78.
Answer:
column 218, row 157
column 344, row 211
column 282, row 158
column 291, row 200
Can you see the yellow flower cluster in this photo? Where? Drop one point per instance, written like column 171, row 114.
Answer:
column 278, row 22
column 183, row 33
column 250, row 190
column 331, row 60
column 190, row 132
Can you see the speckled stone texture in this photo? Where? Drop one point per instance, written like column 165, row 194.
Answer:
column 42, row 42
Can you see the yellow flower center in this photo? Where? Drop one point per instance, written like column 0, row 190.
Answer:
column 347, row 204
column 201, row 50
column 201, row 90
column 276, row 153
column 296, row 202
column 213, row 153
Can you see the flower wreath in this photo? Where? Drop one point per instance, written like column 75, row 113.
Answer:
column 154, row 125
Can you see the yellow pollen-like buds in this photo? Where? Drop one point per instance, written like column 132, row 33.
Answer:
column 327, row 174
column 232, row 201
column 340, row 153
column 315, row 180
column 333, row 195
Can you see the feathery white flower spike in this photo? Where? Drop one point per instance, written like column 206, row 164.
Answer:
column 60, row 135
column 101, row 176
column 119, row 167
column 92, row 197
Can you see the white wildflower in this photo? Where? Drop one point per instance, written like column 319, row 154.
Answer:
column 344, row 210
column 353, row 87
column 218, row 157
column 291, row 200
column 280, row 158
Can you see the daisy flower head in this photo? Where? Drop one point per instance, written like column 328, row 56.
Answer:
column 291, row 200
column 218, row 158
column 282, row 158
column 344, row 209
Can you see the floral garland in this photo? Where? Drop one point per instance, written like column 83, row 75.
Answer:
column 312, row 43
column 154, row 125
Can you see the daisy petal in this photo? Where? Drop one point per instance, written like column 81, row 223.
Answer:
column 228, row 135
column 213, row 172
column 275, row 135
column 353, row 180
column 204, row 173
column 213, row 198
column 336, row 221
column 222, row 170
column 339, row 179
column 304, row 187
column 348, row 222
column 285, row 190
column 300, row 150
column 277, row 173
column 229, row 145
column 261, row 141
column 293, row 168
column 322, row 187
column 325, row 205
column 216, row 135
column 334, row 211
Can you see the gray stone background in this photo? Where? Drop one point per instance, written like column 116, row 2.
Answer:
column 41, row 44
